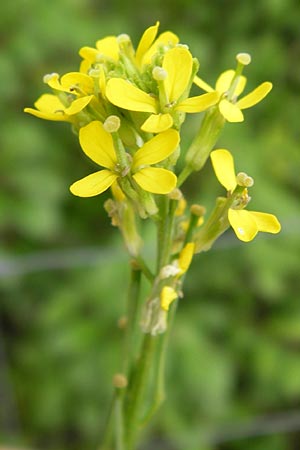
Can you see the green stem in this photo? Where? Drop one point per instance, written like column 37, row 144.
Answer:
column 159, row 393
column 136, row 390
column 119, row 421
column 132, row 312
column 165, row 231
column 108, row 430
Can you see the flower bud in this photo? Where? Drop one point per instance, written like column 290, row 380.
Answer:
column 123, row 38
column 120, row 381
column 198, row 210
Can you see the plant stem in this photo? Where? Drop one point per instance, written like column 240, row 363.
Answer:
column 119, row 420
column 132, row 310
column 136, row 390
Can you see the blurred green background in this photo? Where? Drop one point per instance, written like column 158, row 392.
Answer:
column 234, row 364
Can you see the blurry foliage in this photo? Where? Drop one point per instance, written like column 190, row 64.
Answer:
column 235, row 346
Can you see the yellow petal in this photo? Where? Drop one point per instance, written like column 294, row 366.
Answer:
column 49, row 107
column 240, row 85
column 223, row 165
column 82, row 80
column 85, row 66
column 78, row 105
column 243, row 224
column 255, row 96
column 117, row 192
column 202, row 84
column 125, row 95
column 102, row 81
column 167, row 296
column 156, row 180
column 109, row 46
column 186, row 256
column 89, row 54
column 230, row 112
column 146, row 42
column 267, row 223
column 164, row 39
column 98, row 145
column 198, row 103
column 54, row 82
column 157, row 149
column 224, row 81
column 178, row 63
column 57, row 117
column 156, row 123
column 93, row 184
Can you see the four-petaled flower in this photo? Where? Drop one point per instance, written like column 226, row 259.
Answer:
column 246, row 224
column 50, row 107
column 230, row 108
column 99, row 147
column 177, row 65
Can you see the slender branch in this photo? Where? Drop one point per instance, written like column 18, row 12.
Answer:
column 136, row 390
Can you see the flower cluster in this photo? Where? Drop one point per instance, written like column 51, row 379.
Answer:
column 127, row 107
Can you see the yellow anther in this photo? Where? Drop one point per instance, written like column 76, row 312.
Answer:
column 159, row 74
column 244, row 180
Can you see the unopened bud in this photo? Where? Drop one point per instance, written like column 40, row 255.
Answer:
column 122, row 322
column 244, row 180
column 49, row 76
column 159, row 74
column 120, row 381
column 112, row 124
column 243, row 58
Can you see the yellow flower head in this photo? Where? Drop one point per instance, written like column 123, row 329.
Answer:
column 230, row 85
column 245, row 224
column 177, row 65
column 98, row 145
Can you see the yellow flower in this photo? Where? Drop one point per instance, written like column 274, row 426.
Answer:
column 49, row 107
column 179, row 266
column 245, row 224
column 177, row 66
column 75, row 83
column 107, row 47
column 98, row 146
column 230, row 108
column 149, row 45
